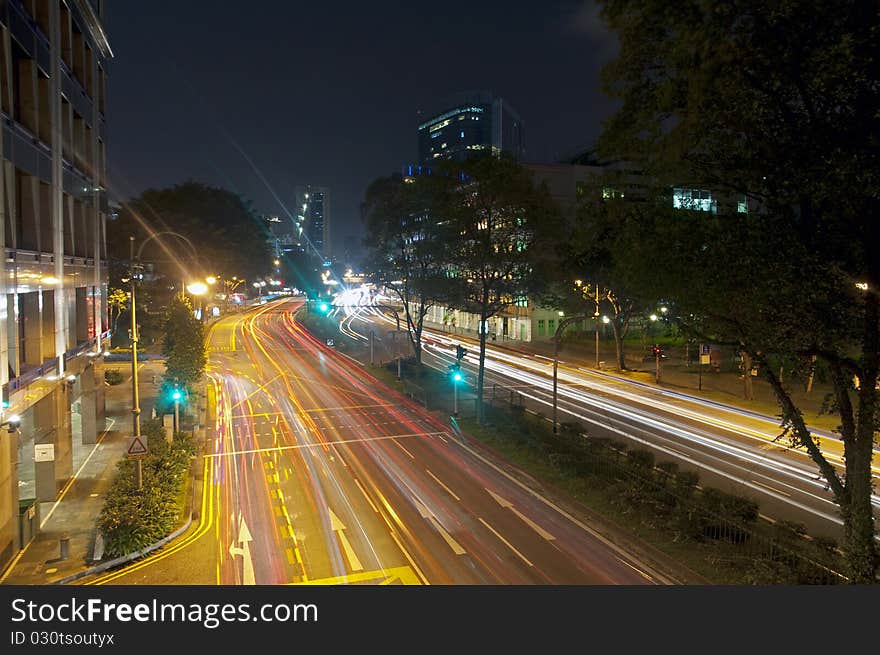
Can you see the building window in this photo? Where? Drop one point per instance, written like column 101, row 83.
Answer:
column 462, row 134
column 694, row 199
column 551, row 325
column 541, row 327
column 742, row 206
column 522, row 301
column 610, row 193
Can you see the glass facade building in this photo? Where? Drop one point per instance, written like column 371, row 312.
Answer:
column 476, row 123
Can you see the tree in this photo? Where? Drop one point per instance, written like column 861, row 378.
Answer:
column 503, row 227
column 230, row 238
column 407, row 246
column 117, row 301
column 184, row 345
column 773, row 108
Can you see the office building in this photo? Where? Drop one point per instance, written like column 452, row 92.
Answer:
column 470, row 124
column 53, row 317
column 314, row 215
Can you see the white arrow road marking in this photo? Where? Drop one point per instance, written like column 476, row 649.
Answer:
column 339, row 528
column 244, row 536
column 426, row 514
column 534, row 526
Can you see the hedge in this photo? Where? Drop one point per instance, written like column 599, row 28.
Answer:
column 132, row 519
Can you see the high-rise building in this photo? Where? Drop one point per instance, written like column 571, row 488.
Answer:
column 314, row 214
column 471, row 123
column 53, row 304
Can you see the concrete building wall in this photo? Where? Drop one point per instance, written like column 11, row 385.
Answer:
column 52, row 229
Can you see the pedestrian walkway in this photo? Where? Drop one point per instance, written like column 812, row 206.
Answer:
column 74, row 513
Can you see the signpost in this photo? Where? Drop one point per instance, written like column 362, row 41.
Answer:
column 704, row 359
column 136, row 447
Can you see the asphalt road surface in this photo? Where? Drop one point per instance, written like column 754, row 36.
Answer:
column 318, row 474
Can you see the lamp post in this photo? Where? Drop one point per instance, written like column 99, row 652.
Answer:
column 135, row 402
column 198, row 289
column 556, row 339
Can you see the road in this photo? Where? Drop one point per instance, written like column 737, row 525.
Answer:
column 732, row 449
column 318, row 474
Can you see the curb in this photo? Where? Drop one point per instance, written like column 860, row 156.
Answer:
column 100, row 568
column 146, row 550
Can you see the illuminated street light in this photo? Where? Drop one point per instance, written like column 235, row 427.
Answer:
column 197, row 288
column 211, row 279
column 863, row 286
column 653, row 317
column 606, row 320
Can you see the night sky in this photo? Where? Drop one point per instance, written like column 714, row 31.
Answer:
column 329, row 93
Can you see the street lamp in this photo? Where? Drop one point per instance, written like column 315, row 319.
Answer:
column 135, row 404
column 12, row 423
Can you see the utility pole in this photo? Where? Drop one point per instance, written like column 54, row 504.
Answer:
column 135, row 402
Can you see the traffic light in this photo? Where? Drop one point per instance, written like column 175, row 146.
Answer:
column 656, row 350
column 323, row 307
column 455, row 372
column 176, row 395
column 460, row 352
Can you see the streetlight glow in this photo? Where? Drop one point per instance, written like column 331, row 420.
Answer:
column 211, row 279
column 653, row 317
column 197, row 288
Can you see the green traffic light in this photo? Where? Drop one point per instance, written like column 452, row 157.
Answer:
column 456, row 376
column 176, row 395
column 323, row 307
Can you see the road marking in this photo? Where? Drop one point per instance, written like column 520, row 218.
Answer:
column 639, row 571
column 290, row 558
column 429, row 515
column 411, row 456
column 609, row 544
column 405, row 574
column 534, row 526
column 448, row 490
column 339, row 528
column 346, row 407
column 364, row 492
column 322, row 444
column 507, row 543
column 767, row 486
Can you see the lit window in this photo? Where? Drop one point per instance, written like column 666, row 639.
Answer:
column 696, row 199
column 742, row 206
column 462, row 134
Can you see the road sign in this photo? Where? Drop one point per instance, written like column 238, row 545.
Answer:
column 704, row 349
column 136, row 447
column 44, row 452
column 704, row 359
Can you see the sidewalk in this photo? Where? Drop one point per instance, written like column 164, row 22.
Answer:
column 76, row 510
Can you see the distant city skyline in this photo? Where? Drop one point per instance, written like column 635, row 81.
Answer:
column 251, row 103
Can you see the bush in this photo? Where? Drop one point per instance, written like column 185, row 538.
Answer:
column 132, row 519
column 113, row 376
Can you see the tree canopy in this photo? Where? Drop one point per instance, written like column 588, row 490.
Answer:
column 774, row 109
column 228, row 237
